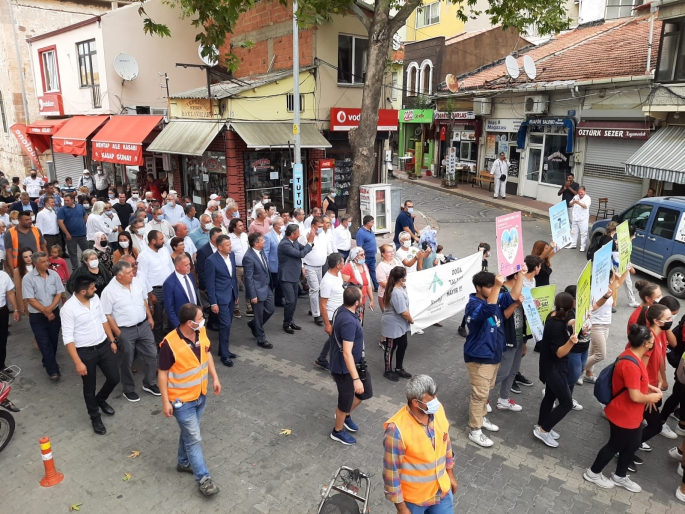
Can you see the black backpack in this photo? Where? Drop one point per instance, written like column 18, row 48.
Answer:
column 594, row 246
column 675, row 354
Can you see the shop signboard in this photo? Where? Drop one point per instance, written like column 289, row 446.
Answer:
column 416, row 115
column 454, row 115
column 502, row 125
column 50, row 104
column 614, row 133
column 195, row 108
column 298, row 186
column 344, row 119
column 130, row 154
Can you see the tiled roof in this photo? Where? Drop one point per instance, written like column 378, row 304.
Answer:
column 616, row 48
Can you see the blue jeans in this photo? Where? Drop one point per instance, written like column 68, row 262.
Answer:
column 188, row 417
column 576, row 363
column 446, row 506
column 47, row 338
column 371, row 263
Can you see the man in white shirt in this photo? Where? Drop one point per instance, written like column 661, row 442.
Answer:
column 331, row 293
column 342, row 239
column 181, row 230
column 137, row 231
column 33, row 185
column 3, row 213
column 46, row 222
column 581, row 217
column 313, row 264
column 308, row 221
column 298, row 219
column 328, row 232
column 409, row 255
column 230, row 212
column 91, row 344
column 239, row 245
column 7, row 294
column 155, row 264
column 135, row 198
column 260, row 204
column 112, row 221
column 499, row 171
column 160, row 224
column 212, row 206
column 124, row 302
column 173, row 212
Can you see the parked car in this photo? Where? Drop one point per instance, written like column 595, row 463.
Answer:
column 659, row 244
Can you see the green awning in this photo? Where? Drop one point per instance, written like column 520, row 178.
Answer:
column 185, row 137
column 272, row 134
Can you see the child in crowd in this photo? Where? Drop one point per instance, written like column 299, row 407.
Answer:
column 58, row 264
column 485, row 248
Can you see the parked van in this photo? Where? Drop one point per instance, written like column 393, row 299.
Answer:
column 659, row 244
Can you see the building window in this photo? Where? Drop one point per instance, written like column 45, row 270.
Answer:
column 2, row 113
column 671, row 63
column 412, row 79
column 395, row 77
column 620, row 8
column 429, row 15
column 353, row 54
column 426, row 81
column 48, row 69
column 88, row 63
column 290, row 100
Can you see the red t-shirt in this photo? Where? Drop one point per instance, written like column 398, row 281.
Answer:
column 633, row 317
column 347, row 270
column 622, row 411
column 657, row 356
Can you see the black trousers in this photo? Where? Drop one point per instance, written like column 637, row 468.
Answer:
column 158, row 315
column 625, row 442
column 676, row 399
column 399, row 345
column 98, row 356
column 654, row 423
column 289, row 301
column 556, row 388
column 4, row 330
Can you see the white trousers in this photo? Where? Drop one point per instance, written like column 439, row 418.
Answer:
column 313, row 275
column 500, row 186
column 579, row 227
column 628, row 284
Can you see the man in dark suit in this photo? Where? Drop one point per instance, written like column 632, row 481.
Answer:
column 271, row 240
column 24, row 203
column 179, row 289
column 221, row 276
column 203, row 254
column 257, row 280
column 290, row 255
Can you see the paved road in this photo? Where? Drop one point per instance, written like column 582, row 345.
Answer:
column 260, row 471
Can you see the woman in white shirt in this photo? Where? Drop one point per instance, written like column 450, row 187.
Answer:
column 95, row 223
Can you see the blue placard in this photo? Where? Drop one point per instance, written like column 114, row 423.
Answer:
column 298, row 186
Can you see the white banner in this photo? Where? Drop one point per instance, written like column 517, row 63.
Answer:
column 443, row 291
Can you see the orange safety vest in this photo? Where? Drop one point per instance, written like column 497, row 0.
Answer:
column 14, row 251
column 422, row 470
column 187, row 377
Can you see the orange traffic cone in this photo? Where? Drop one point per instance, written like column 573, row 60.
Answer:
column 52, row 476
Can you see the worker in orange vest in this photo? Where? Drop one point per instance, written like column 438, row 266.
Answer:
column 185, row 361
column 417, row 468
column 24, row 234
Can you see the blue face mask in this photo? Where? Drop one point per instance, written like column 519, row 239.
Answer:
column 319, row 231
column 431, row 407
column 410, row 210
column 108, row 213
column 236, row 214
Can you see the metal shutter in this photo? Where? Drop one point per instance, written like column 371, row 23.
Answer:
column 68, row 166
column 604, row 173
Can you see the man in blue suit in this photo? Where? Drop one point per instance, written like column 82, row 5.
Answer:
column 221, row 276
column 258, row 292
column 290, row 255
column 271, row 240
column 179, row 289
column 203, row 253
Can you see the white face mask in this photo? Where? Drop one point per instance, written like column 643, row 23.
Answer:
column 658, row 299
column 134, row 196
column 199, row 325
column 208, row 226
column 15, row 222
column 406, row 243
column 431, row 407
column 124, row 244
column 94, row 263
column 29, row 267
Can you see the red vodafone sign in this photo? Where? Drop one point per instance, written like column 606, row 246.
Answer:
column 344, row 119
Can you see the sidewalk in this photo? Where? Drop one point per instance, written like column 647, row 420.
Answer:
column 481, row 194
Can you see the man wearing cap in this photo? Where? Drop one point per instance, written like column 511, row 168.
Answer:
column 87, row 181
column 172, row 211
column 215, row 197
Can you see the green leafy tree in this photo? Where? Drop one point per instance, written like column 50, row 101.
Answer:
column 214, row 19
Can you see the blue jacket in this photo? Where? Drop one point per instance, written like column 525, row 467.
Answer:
column 256, row 276
column 367, row 240
column 222, row 288
column 271, row 250
column 485, row 322
column 175, row 297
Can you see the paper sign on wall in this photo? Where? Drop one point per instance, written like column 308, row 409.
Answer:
column 509, row 231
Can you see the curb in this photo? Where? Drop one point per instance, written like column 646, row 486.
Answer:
column 529, row 211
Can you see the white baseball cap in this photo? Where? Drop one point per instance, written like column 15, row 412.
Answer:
column 214, row 197
column 86, row 171
column 172, row 192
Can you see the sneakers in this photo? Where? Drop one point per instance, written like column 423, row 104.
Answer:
column 402, row 374
column 351, row 425
column 577, row 406
column 132, row 396
column 236, row 313
column 680, row 495
column 418, row 331
column 490, row 426
column 680, row 469
column 638, row 460
column 554, row 435
column 545, row 437
column 153, row 389
column 634, row 305
column 598, row 479
column 515, row 388
column 626, row 483
column 580, row 383
column 582, row 249
column 674, row 453
column 478, row 437
column 207, row 487
column 343, row 437
column 646, row 448
column 521, row 380
column 679, row 430
column 590, row 379
column 489, row 409
column 667, row 432
column 511, row 405
column 392, row 376
column 676, row 414
column 323, row 364
column 462, row 331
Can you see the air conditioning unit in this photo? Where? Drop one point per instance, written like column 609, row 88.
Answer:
column 535, row 104
column 482, row 106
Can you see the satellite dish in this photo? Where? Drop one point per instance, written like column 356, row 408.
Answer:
column 512, row 67
column 207, row 60
column 126, row 66
column 452, row 83
column 529, row 67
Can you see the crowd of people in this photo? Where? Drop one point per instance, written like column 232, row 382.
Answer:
column 140, row 276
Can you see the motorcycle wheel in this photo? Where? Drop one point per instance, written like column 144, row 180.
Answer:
column 6, row 428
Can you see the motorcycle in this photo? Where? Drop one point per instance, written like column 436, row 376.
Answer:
column 7, row 425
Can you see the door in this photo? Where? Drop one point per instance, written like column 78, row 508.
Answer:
column 638, row 216
column 659, row 240
column 530, row 183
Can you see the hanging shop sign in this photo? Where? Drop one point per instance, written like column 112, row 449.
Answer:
column 50, row 104
column 344, row 119
column 416, row 115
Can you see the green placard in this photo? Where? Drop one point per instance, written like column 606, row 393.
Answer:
column 625, row 247
column 544, row 302
column 583, row 297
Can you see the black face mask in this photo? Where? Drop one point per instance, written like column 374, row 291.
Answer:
column 667, row 325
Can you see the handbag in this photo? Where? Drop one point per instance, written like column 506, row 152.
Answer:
column 503, row 177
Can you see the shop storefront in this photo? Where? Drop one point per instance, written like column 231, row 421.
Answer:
column 661, row 160
column 416, row 144
column 458, row 129
column 548, row 146
column 609, row 144
column 70, row 154
column 500, row 136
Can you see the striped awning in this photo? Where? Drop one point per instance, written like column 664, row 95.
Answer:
column 661, row 158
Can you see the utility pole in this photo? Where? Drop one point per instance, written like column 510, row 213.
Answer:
column 298, row 175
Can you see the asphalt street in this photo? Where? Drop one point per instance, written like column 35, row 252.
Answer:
column 261, row 471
